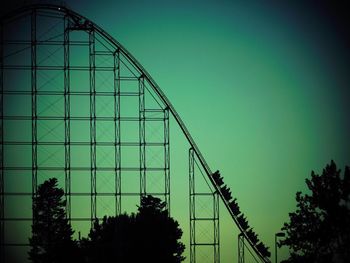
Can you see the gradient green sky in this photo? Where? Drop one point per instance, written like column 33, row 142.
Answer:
column 263, row 87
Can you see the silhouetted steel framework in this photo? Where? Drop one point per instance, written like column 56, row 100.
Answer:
column 241, row 248
column 198, row 218
column 66, row 116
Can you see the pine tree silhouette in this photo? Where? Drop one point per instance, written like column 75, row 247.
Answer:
column 51, row 240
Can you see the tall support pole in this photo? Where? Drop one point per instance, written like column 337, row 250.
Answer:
column 92, row 123
column 34, row 106
column 240, row 248
column 2, row 179
column 192, row 208
column 196, row 218
column 142, row 137
column 216, row 220
column 67, row 150
column 117, row 150
column 167, row 158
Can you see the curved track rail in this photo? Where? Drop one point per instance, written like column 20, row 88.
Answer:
column 81, row 20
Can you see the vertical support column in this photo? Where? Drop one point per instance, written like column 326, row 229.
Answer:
column 240, row 248
column 117, row 150
column 192, row 208
column 167, row 159
column 216, row 221
column 142, row 135
column 2, row 179
column 67, row 119
column 196, row 218
column 34, row 106
column 92, row 123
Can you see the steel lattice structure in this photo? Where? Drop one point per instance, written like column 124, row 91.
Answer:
column 197, row 218
column 240, row 248
column 76, row 105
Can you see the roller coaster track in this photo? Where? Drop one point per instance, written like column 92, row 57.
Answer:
column 259, row 249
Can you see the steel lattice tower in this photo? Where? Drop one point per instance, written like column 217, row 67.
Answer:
column 76, row 105
column 78, row 82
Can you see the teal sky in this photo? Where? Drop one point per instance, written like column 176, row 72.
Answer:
column 262, row 87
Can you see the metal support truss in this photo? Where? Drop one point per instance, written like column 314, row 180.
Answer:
column 34, row 105
column 241, row 248
column 192, row 208
column 216, row 222
column 167, row 159
column 117, row 149
column 195, row 242
column 92, row 124
column 103, row 69
column 72, row 82
column 67, row 149
column 142, row 136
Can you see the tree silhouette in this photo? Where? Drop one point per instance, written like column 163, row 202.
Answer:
column 319, row 230
column 51, row 240
column 158, row 233
column 112, row 240
column 149, row 236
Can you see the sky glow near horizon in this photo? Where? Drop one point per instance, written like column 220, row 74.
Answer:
column 263, row 89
